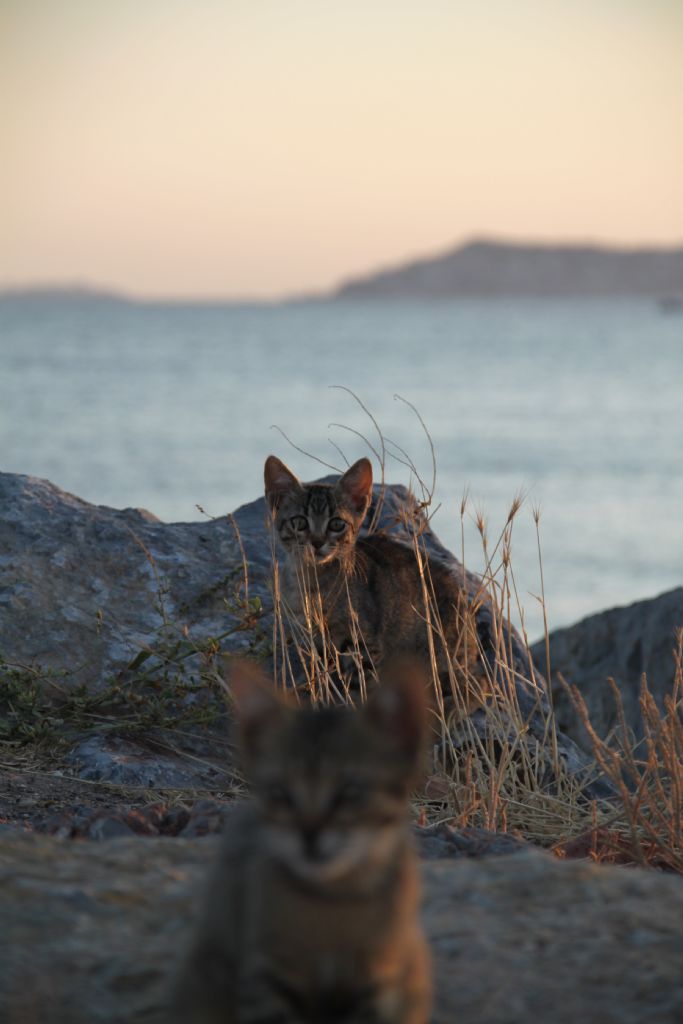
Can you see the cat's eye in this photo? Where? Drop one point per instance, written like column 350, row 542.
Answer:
column 336, row 525
column 299, row 523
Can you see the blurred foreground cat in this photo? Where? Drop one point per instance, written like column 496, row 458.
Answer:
column 311, row 912
column 365, row 598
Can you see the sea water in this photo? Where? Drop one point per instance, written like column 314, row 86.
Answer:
column 578, row 406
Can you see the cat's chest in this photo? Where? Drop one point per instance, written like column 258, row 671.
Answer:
column 359, row 914
column 325, row 593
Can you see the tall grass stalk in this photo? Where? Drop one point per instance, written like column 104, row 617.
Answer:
column 489, row 770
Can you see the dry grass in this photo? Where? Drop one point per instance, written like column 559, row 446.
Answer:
column 501, row 775
column 648, row 777
column 492, row 770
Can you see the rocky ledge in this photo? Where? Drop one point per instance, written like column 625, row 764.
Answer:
column 94, row 932
column 624, row 644
column 93, row 597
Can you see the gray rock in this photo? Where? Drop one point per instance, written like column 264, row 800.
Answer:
column 94, row 933
column 434, row 842
column 109, row 828
column 112, row 759
column 622, row 643
column 84, row 588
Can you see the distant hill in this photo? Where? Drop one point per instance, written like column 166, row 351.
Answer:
column 490, row 268
column 60, row 293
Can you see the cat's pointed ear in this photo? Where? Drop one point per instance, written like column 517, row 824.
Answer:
column 398, row 707
column 278, row 479
column 356, row 485
column 258, row 704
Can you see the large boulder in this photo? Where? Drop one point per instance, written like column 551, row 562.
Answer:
column 622, row 643
column 88, row 591
column 85, row 588
column 93, row 932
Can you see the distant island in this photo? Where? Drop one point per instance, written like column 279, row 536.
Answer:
column 489, row 268
column 67, row 293
column 481, row 268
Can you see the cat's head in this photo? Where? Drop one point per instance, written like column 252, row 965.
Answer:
column 332, row 783
column 318, row 523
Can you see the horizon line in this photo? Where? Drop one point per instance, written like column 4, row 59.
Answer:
column 99, row 292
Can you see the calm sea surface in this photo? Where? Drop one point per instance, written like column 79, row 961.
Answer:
column 578, row 405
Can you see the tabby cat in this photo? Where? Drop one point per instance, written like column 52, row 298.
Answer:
column 311, row 913
column 364, row 597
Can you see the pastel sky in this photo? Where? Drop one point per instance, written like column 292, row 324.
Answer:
column 255, row 148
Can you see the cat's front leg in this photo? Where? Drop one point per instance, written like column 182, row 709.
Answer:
column 405, row 998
